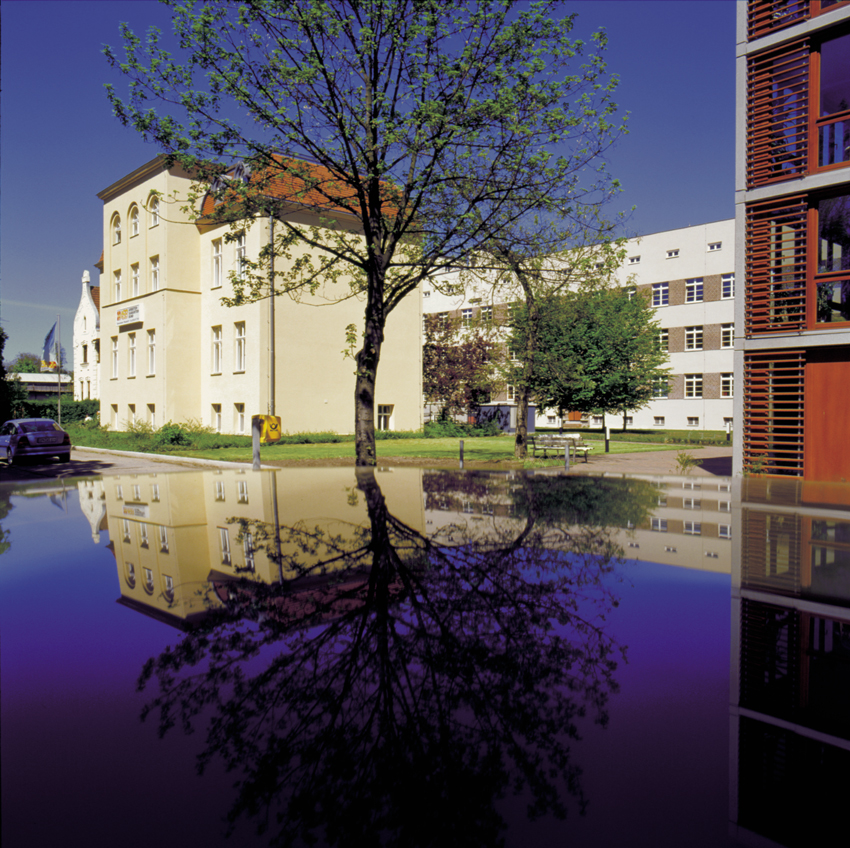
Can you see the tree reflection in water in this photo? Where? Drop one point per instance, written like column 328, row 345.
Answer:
column 397, row 698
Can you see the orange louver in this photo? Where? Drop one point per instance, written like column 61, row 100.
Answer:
column 764, row 16
column 773, row 411
column 775, row 284
column 777, row 113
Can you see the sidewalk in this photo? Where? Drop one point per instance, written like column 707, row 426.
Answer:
column 716, row 462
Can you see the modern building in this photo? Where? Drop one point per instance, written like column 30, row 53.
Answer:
column 689, row 276
column 87, row 343
column 42, row 386
column 172, row 351
column 793, row 238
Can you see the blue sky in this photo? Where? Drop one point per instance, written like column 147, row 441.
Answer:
column 61, row 145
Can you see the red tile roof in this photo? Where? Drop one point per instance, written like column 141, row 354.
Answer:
column 320, row 190
column 95, row 296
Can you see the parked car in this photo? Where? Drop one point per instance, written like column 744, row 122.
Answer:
column 24, row 437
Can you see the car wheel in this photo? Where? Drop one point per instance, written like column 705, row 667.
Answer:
column 64, row 457
column 9, row 457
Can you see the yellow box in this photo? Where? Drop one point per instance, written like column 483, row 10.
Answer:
column 269, row 428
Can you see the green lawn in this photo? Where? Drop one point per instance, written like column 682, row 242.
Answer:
column 492, row 449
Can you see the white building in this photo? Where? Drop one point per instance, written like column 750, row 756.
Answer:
column 87, row 343
column 689, row 275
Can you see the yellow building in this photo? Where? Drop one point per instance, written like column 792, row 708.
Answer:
column 170, row 351
column 179, row 540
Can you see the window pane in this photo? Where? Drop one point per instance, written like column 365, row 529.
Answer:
column 835, row 75
column 833, row 301
column 834, row 234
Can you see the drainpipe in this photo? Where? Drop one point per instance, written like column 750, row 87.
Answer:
column 271, row 316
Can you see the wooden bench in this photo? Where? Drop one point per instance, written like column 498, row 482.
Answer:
column 558, row 444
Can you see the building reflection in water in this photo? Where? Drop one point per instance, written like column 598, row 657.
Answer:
column 790, row 717
column 361, row 645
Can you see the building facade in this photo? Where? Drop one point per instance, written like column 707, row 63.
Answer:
column 689, row 276
column 87, row 343
column 793, row 238
column 170, row 351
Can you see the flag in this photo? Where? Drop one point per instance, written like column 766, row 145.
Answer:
column 48, row 355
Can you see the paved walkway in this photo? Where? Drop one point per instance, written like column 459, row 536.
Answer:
column 716, row 462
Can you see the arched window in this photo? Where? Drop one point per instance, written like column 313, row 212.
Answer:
column 134, row 221
column 153, row 209
column 116, row 230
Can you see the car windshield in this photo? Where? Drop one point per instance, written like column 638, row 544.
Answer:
column 38, row 426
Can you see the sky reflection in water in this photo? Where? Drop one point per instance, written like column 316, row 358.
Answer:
column 418, row 678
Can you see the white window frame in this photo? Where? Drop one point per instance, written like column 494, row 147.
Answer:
column 239, row 415
column 134, row 279
column 215, row 365
column 658, row 525
column 693, row 528
column 240, row 348
column 659, row 421
column 151, row 351
column 634, row 260
column 218, row 267
column 693, row 421
column 673, row 254
column 694, row 290
column 154, row 273
column 727, row 286
column 241, row 253
column 152, row 415
column 664, row 339
column 714, row 246
column 693, row 338
column 660, row 294
column 466, row 317
column 693, row 385
column 661, row 388
column 224, row 545
column 134, row 221
column 727, row 336
column 216, row 417
column 117, row 283
column 131, row 354
column 153, row 209
column 724, row 531
column 727, row 385
column 385, row 416
column 116, row 229
column 114, row 357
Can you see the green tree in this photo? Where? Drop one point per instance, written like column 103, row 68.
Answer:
column 535, row 263
column 460, row 366
column 12, row 393
column 430, row 127
column 598, row 351
column 26, row 363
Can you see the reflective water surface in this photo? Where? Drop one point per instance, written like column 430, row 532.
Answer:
column 418, row 657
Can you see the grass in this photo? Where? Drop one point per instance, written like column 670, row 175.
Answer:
column 491, row 449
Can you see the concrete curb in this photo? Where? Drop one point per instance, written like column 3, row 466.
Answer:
column 176, row 460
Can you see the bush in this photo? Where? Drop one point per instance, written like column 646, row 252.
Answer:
column 73, row 411
column 451, row 429
column 170, row 435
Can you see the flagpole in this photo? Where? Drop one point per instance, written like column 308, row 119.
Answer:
column 59, row 369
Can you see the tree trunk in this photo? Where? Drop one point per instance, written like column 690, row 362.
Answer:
column 367, row 359
column 521, row 443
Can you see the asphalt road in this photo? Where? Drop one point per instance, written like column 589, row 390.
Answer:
column 89, row 463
